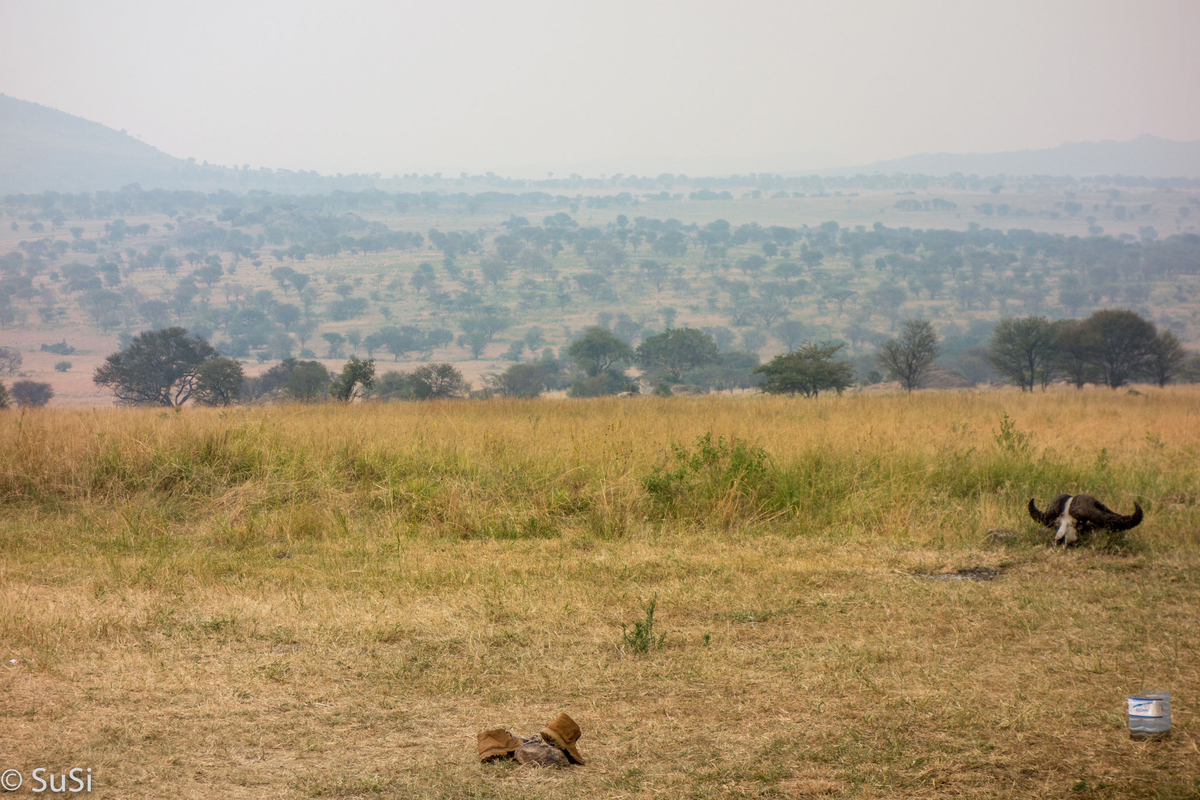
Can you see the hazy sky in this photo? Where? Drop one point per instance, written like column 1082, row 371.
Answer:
column 523, row 87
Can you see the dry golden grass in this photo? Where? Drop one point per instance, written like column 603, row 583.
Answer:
column 330, row 601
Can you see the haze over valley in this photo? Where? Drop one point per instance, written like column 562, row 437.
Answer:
column 131, row 238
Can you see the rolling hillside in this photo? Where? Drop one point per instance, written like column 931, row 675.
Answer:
column 1147, row 156
column 42, row 148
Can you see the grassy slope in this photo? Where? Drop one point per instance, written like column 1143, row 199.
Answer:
column 331, row 601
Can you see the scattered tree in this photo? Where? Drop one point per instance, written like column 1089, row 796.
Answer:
column 480, row 329
column 336, row 341
column 677, row 350
column 287, row 315
column 1075, row 346
column 158, row 368
column 356, row 380
column 910, row 355
column 808, row 370
column 438, row 382
column 219, row 382
column 10, row 360
column 1024, row 350
column 791, row 332
column 598, row 350
column 31, row 394
column 1167, row 358
column 307, row 382
column 1121, row 345
column 521, row 380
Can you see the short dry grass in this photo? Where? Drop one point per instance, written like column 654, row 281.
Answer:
column 331, row 602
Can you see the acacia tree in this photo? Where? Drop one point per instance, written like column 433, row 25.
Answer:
column 677, row 350
column 32, row 394
column 1167, row 358
column 219, row 382
column 336, row 340
column 598, row 350
column 1023, row 350
column 521, row 380
column 10, row 360
column 302, row 381
column 3, row 397
column 356, row 380
column 791, row 333
column 1121, row 343
column 438, row 381
column 910, row 355
column 480, row 329
column 159, row 368
column 1075, row 344
column 398, row 340
column 808, row 370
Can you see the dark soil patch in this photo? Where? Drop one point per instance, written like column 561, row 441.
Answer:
column 968, row 574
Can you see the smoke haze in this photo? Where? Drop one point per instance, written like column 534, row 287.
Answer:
column 528, row 87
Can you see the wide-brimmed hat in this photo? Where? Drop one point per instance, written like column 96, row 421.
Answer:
column 563, row 733
column 496, row 743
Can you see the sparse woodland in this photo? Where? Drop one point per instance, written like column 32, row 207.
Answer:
column 496, row 278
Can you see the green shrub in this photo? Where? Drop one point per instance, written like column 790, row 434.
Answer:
column 643, row 638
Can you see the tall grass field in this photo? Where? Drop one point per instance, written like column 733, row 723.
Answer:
column 331, row 601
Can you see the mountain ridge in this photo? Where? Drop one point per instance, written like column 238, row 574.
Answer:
column 43, row 149
column 1145, row 156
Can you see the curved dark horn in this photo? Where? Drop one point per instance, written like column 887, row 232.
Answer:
column 1038, row 516
column 1122, row 523
column 1101, row 515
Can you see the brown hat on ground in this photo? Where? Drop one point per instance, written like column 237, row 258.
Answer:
column 496, row 743
column 563, row 733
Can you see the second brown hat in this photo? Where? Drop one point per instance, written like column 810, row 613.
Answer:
column 496, row 743
column 563, row 733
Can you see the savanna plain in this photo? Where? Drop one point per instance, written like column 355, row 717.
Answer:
column 321, row 601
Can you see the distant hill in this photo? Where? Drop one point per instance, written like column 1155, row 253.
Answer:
column 42, row 148
column 1146, row 156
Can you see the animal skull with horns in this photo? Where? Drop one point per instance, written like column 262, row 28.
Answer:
column 1079, row 514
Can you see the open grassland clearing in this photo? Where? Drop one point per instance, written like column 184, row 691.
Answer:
column 331, row 601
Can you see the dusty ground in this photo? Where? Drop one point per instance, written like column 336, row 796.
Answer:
column 332, row 602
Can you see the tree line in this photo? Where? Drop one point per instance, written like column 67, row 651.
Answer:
column 1112, row 347
column 169, row 367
